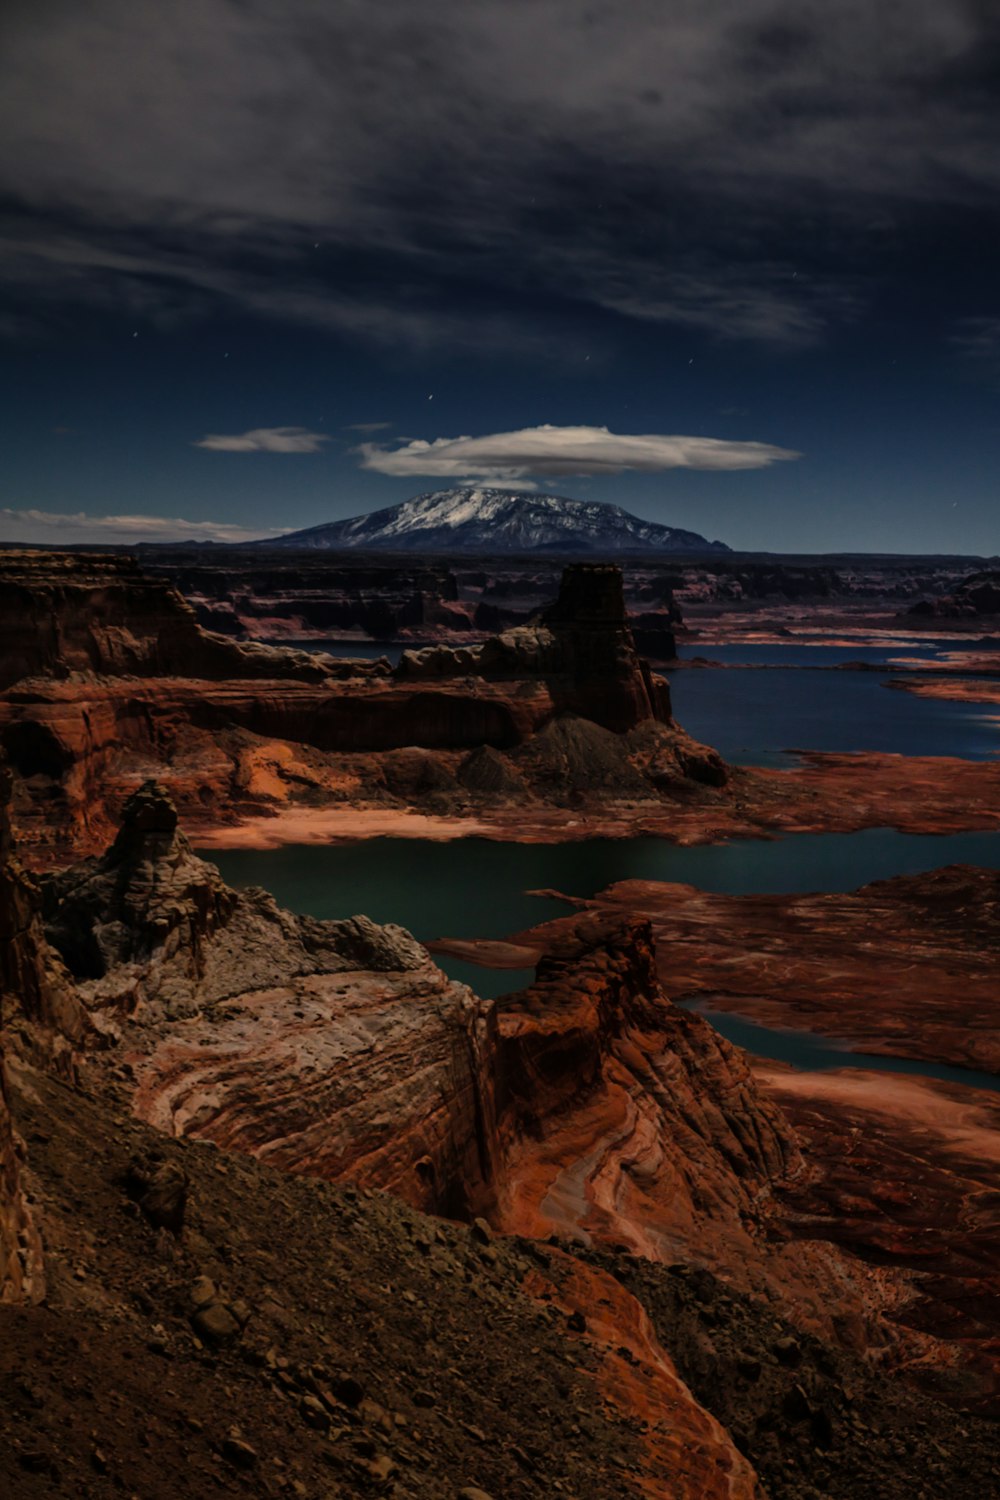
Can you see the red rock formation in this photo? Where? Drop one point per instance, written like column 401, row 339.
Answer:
column 587, row 1105
column 338, row 1047
column 622, row 1116
column 127, row 685
column 88, row 613
column 925, row 989
column 905, row 1175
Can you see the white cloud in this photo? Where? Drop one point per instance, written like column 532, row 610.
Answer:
column 53, row 528
column 265, row 440
column 557, row 451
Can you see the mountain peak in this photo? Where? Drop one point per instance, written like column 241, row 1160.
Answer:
column 481, row 518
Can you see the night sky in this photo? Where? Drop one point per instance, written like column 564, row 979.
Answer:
column 264, row 263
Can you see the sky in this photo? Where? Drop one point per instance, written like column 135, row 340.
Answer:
column 731, row 264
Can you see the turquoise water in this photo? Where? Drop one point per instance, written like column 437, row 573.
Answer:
column 486, row 982
column 804, row 1049
column 479, row 888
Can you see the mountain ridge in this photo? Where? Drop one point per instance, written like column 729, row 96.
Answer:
column 477, row 518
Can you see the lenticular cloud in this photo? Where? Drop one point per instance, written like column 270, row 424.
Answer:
column 553, row 451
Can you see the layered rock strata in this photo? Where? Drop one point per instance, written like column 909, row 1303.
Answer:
column 338, row 1048
column 110, row 679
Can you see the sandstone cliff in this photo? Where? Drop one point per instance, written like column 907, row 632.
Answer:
column 109, row 679
column 588, row 1103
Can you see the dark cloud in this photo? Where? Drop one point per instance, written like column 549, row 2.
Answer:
column 265, row 440
column 384, row 170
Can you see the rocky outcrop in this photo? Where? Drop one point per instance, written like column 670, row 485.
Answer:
column 338, row 1048
column 128, row 686
column 623, row 1118
column 581, row 647
column 273, row 597
column 87, row 613
column 35, row 997
column 977, row 595
column 926, row 990
column 34, row 987
column 585, row 1107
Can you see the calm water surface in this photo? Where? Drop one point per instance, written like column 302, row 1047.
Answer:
column 756, row 717
column 478, row 888
column 804, row 1049
column 784, row 654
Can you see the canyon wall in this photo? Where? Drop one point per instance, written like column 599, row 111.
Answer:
column 586, row 1106
column 109, row 679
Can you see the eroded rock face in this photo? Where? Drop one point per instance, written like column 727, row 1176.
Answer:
column 581, row 646
column 22, row 1275
column 34, row 987
column 587, row 1105
column 977, row 595
column 926, row 989
column 313, row 596
column 112, row 681
column 338, row 1048
column 86, row 613
column 33, row 993
column 622, row 1117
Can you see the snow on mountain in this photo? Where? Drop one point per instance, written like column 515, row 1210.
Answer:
column 479, row 519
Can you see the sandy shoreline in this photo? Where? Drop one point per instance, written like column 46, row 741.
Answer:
column 331, row 826
column 822, row 793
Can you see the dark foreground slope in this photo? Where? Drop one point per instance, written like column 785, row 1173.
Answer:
column 384, row 1353
column 220, row 1309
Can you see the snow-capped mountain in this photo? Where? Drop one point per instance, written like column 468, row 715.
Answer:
column 476, row 519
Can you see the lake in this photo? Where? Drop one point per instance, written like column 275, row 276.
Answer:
column 477, row 887
column 756, row 717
